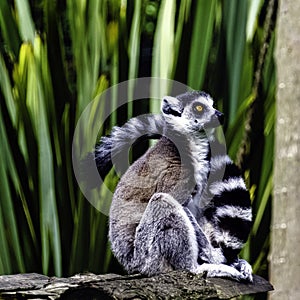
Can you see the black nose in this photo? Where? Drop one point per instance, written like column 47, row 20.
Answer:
column 220, row 116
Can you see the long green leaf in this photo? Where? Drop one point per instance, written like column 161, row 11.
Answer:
column 201, row 42
column 9, row 29
column 183, row 15
column 36, row 103
column 134, row 50
column 235, row 16
column 253, row 12
column 163, row 52
column 7, row 91
column 7, row 209
column 5, row 257
column 26, row 25
column 6, row 88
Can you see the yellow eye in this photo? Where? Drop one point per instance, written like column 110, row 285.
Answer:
column 199, row 108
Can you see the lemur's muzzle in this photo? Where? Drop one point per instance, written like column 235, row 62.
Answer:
column 216, row 120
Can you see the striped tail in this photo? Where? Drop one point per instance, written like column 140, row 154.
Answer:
column 115, row 147
column 228, row 213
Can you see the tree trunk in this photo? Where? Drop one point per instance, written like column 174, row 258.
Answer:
column 285, row 232
column 174, row 285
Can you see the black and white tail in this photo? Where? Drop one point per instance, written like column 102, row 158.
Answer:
column 115, row 147
column 227, row 215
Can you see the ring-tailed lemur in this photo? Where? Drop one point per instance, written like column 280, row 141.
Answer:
column 171, row 209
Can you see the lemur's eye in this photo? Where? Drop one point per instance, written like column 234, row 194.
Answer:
column 199, row 108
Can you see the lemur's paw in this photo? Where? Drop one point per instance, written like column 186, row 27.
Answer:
column 218, row 270
column 198, row 270
column 245, row 269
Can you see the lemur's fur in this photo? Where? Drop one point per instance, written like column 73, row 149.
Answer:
column 170, row 210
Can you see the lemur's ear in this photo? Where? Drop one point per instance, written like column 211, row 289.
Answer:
column 171, row 106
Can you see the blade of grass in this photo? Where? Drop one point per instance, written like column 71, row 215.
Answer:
column 184, row 13
column 6, row 88
column 11, row 172
column 262, row 204
column 89, row 44
column 26, row 25
column 134, row 52
column 49, row 216
column 8, row 213
column 80, row 241
column 5, row 257
column 201, row 42
column 9, row 29
column 134, row 40
column 253, row 12
column 94, row 33
column 163, row 50
column 86, row 46
column 114, row 82
column 235, row 16
column 36, row 103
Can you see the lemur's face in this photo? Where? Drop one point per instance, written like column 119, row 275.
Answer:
column 191, row 112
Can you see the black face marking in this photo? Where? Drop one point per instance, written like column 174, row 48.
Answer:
column 171, row 106
column 167, row 109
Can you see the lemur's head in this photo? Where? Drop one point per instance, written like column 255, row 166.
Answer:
column 191, row 112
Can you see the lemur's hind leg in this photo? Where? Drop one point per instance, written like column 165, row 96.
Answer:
column 221, row 270
column 165, row 238
column 212, row 258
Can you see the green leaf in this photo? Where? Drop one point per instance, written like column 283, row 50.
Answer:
column 201, row 42
column 163, row 52
column 26, row 25
column 36, row 101
column 9, row 28
column 134, row 51
column 9, row 229
column 253, row 12
column 235, row 16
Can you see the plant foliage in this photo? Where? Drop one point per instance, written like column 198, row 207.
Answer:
column 56, row 56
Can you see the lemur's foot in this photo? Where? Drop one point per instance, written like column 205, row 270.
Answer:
column 245, row 269
column 220, row 270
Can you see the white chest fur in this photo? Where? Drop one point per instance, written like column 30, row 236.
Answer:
column 199, row 147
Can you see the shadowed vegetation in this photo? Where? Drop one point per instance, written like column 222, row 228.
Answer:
column 56, row 56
